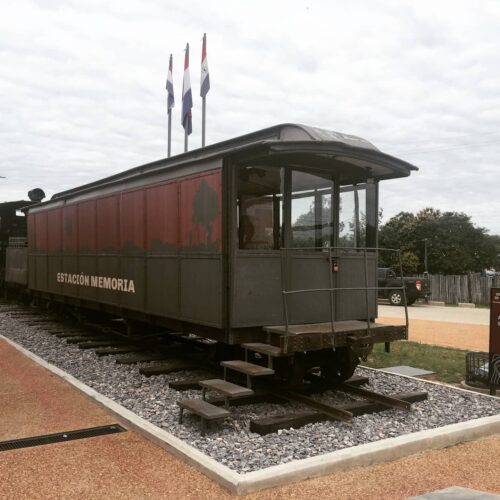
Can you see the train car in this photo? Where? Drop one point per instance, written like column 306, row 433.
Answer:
column 13, row 236
column 267, row 238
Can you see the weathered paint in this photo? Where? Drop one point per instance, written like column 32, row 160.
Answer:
column 87, row 226
column 108, row 235
column 54, row 233
column 201, row 213
column 69, row 228
column 41, row 231
column 132, row 221
column 135, row 237
column 162, row 216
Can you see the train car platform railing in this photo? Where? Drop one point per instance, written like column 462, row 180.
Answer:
column 333, row 253
column 18, row 242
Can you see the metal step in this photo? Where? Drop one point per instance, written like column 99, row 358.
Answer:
column 270, row 350
column 226, row 388
column 204, row 410
column 247, row 368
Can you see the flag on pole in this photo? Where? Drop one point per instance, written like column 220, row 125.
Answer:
column 187, row 100
column 204, row 79
column 170, row 86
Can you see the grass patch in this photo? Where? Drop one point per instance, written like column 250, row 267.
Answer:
column 448, row 364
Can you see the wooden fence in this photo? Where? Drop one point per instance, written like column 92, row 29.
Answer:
column 463, row 288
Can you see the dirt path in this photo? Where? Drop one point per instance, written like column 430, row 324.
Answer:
column 459, row 335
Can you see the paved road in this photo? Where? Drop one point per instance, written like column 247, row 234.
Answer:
column 472, row 316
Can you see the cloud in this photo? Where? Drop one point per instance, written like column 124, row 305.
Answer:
column 82, row 87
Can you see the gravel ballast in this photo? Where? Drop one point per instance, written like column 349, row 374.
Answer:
column 230, row 442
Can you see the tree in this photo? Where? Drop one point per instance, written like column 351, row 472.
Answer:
column 454, row 244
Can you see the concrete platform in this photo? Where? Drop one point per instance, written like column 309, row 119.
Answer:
column 409, row 371
column 457, row 493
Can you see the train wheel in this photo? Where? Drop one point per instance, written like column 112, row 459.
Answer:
column 340, row 366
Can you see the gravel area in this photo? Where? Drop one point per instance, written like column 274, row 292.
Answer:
column 231, row 443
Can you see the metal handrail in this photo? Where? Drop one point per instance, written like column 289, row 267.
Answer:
column 332, row 289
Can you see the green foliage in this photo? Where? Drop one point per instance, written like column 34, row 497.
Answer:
column 454, row 244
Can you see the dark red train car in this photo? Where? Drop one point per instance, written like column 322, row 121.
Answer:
column 269, row 237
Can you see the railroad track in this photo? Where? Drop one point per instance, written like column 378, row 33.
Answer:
column 170, row 352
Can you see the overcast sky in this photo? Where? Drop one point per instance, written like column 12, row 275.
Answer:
column 82, row 87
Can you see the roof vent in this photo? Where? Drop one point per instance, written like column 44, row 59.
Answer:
column 36, row 194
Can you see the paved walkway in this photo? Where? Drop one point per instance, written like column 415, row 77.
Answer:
column 126, row 466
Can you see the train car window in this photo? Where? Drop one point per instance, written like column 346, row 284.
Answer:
column 260, row 207
column 311, row 206
column 352, row 216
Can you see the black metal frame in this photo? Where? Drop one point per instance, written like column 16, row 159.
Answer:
column 476, row 369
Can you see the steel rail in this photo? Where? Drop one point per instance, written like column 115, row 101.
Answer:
column 328, row 410
column 374, row 396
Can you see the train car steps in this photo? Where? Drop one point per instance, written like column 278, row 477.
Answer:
column 271, row 351
column 249, row 369
column 227, row 389
column 207, row 411
column 204, row 410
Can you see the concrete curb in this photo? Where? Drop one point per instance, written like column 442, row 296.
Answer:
column 436, row 303
column 467, row 305
column 298, row 470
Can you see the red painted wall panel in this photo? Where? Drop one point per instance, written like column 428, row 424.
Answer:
column 201, row 218
column 132, row 221
column 41, row 231
column 69, row 228
column 87, row 237
column 107, row 227
column 162, row 217
column 31, row 232
column 54, row 230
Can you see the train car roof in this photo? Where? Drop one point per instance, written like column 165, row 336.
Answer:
column 286, row 144
column 11, row 206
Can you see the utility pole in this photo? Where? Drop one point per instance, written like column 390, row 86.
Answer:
column 425, row 255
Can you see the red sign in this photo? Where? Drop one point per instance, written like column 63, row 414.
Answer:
column 494, row 364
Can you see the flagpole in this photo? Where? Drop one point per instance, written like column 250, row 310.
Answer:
column 203, row 109
column 204, row 87
column 169, row 132
column 170, row 104
column 187, row 100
